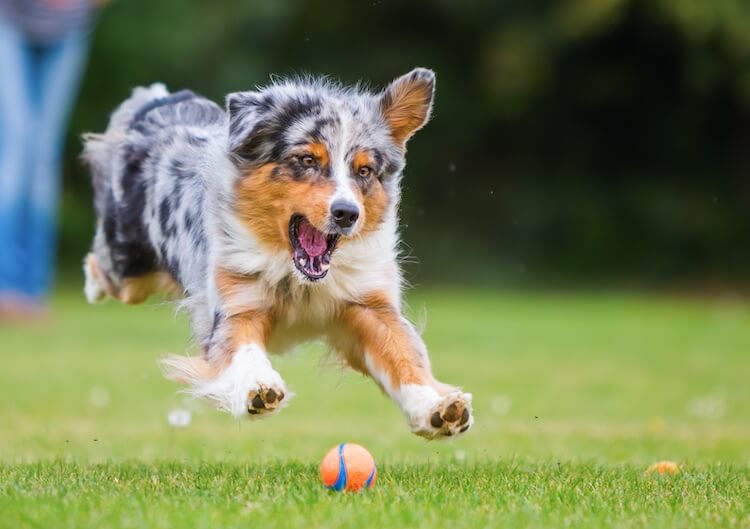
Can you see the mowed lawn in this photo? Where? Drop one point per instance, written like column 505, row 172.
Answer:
column 574, row 396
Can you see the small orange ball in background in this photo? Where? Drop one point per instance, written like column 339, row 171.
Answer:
column 662, row 468
column 348, row 467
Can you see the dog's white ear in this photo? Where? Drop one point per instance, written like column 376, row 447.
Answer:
column 246, row 111
column 407, row 102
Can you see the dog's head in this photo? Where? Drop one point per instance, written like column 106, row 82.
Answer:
column 320, row 164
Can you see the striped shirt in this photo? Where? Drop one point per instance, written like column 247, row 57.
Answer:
column 45, row 21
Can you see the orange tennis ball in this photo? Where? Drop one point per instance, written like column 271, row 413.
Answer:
column 348, row 466
column 662, row 468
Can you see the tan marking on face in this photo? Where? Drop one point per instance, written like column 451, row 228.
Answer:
column 362, row 158
column 385, row 340
column 320, row 152
column 375, row 201
column 375, row 204
column 266, row 202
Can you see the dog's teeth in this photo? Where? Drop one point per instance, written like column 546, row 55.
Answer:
column 326, row 258
column 302, row 261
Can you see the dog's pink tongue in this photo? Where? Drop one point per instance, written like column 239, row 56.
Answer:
column 312, row 241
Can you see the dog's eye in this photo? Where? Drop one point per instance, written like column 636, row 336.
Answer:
column 364, row 172
column 307, row 161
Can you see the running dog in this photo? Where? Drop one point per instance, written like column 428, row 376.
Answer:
column 276, row 219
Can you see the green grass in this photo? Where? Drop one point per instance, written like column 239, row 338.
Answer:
column 574, row 396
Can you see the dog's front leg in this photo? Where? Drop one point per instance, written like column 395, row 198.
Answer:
column 235, row 372
column 246, row 380
column 384, row 345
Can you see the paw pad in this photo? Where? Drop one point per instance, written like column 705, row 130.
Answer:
column 264, row 400
column 451, row 417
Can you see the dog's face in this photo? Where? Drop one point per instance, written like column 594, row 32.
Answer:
column 320, row 164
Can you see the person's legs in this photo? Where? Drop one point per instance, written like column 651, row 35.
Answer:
column 15, row 136
column 57, row 74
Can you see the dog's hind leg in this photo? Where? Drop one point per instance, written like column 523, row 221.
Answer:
column 97, row 287
column 134, row 290
column 131, row 290
column 378, row 341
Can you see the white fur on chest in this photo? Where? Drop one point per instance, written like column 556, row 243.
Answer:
column 360, row 267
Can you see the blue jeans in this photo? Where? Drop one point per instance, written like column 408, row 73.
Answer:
column 38, row 84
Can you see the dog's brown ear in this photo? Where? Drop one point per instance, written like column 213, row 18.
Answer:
column 407, row 102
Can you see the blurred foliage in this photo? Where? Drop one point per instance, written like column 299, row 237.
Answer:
column 572, row 140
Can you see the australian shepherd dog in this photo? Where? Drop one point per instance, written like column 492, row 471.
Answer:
column 276, row 220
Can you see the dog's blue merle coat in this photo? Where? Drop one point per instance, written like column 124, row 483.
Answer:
column 164, row 173
column 148, row 196
column 180, row 187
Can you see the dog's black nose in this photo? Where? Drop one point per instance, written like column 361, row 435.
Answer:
column 345, row 214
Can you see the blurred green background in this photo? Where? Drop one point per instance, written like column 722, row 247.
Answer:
column 575, row 143
column 578, row 141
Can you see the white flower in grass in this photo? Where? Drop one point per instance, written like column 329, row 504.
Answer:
column 179, row 418
column 99, row 397
column 708, row 407
column 501, row 404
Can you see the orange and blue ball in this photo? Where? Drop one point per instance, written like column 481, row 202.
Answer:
column 348, row 467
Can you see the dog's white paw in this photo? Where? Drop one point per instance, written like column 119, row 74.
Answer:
column 451, row 417
column 435, row 416
column 264, row 400
column 249, row 386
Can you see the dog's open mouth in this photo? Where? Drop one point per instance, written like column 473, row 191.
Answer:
column 311, row 248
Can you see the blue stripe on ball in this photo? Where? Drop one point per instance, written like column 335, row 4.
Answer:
column 369, row 480
column 341, row 479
